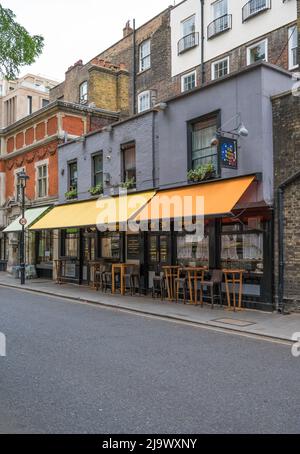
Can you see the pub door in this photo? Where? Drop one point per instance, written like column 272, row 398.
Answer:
column 159, row 254
column 88, row 251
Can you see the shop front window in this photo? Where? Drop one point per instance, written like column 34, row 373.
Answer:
column 193, row 250
column 44, row 247
column 242, row 249
column 70, row 243
column 110, row 246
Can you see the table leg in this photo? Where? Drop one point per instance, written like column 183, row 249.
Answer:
column 122, row 281
column 113, row 289
column 190, row 288
column 227, row 292
column 241, row 292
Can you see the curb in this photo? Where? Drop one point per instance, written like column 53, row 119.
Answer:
column 173, row 318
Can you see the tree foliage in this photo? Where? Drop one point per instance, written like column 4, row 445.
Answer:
column 17, row 47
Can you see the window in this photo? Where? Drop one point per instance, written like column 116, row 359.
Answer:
column 254, row 7
column 145, row 55
column 1, row 90
column 42, row 180
column 293, row 47
column 188, row 26
column 191, row 251
column 110, row 246
column 44, row 246
column 189, row 81
column 29, row 105
column 219, row 8
column 202, row 151
column 257, row 52
column 73, row 175
column 45, row 102
column 220, row 68
column 70, row 243
column 129, row 162
column 97, row 169
column 144, row 101
column 83, row 93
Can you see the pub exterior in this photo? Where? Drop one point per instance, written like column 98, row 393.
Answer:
column 225, row 130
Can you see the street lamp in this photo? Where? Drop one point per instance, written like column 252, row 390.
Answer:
column 22, row 181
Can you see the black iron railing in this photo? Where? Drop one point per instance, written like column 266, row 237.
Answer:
column 188, row 42
column 254, row 7
column 219, row 25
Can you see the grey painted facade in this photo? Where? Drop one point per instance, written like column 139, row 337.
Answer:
column 162, row 141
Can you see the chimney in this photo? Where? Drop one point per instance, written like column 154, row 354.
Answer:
column 127, row 30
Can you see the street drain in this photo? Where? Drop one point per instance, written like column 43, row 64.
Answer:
column 231, row 321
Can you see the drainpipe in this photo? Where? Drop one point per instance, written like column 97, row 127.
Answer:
column 280, row 220
column 153, row 150
column 133, row 69
column 202, row 43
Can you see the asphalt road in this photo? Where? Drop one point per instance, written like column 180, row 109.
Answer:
column 75, row 368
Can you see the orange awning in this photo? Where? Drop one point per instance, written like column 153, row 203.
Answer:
column 209, row 199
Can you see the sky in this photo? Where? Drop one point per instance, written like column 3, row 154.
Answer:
column 78, row 29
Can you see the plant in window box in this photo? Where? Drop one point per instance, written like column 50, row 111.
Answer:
column 72, row 194
column 96, row 190
column 129, row 184
column 202, row 173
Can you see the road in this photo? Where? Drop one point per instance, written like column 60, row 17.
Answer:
column 78, row 368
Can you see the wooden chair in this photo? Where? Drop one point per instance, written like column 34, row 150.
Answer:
column 159, row 287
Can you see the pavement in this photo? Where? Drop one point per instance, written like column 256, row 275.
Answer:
column 250, row 322
column 80, row 368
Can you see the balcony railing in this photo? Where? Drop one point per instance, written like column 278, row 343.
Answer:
column 254, row 7
column 188, row 42
column 219, row 25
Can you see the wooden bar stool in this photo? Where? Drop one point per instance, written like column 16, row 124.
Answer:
column 234, row 278
column 171, row 273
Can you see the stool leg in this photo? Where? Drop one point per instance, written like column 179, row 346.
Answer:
column 212, row 295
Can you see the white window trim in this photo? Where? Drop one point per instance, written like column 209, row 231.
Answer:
column 254, row 45
column 187, row 75
column 143, row 93
column 140, row 55
column 45, row 162
column 290, row 49
column 213, row 72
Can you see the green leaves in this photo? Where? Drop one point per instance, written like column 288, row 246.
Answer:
column 201, row 173
column 17, row 47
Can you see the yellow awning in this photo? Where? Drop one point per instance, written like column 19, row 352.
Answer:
column 104, row 211
column 219, row 197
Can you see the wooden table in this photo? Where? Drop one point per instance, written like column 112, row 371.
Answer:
column 171, row 274
column 194, row 275
column 234, row 277
column 122, row 267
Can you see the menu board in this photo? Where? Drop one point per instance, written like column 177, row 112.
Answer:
column 133, row 247
column 229, row 156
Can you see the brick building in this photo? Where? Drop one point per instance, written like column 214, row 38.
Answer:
column 30, row 145
column 286, row 124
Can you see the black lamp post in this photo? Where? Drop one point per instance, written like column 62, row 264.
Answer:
column 22, row 180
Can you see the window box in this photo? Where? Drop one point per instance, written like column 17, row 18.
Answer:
column 96, row 190
column 202, row 173
column 72, row 194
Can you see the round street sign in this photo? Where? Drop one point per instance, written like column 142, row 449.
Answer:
column 23, row 221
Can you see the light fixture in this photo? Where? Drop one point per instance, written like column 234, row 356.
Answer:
column 242, row 130
column 160, row 107
column 22, row 177
column 107, row 128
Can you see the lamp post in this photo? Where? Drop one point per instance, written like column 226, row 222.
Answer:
column 22, row 180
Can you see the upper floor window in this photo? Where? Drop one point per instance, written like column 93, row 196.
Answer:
column 45, row 102
column 189, row 38
column 42, row 180
column 29, row 105
column 83, row 92
column 97, row 169
column 202, row 150
column 129, row 163
column 257, row 52
column 220, row 68
column 73, row 176
column 144, row 101
column 222, row 21
column 145, row 55
column 293, row 47
column 254, row 7
column 188, row 81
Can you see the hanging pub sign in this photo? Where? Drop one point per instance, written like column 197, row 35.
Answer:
column 229, row 154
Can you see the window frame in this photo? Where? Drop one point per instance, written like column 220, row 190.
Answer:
column 183, row 81
column 213, row 70
column 252, row 46
column 140, row 95
column 192, row 16
column 83, row 99
column 291, row 66
column 94, row 173
column 190, row 124
column 39, row 165
column 70, row 163
column 142, row 57
column 125, row 147
column 29, row 105
column 213, row 5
